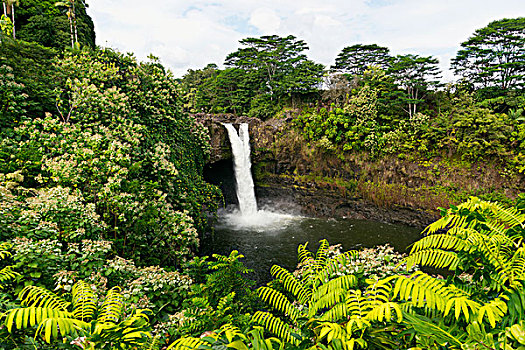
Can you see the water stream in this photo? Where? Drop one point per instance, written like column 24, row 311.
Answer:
column 247, row 216
column 240, row 143
column 267, row 237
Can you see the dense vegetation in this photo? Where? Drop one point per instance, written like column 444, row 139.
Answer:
column 381, row 104
column 102, row 196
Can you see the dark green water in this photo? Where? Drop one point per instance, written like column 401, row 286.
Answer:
column 266, row 241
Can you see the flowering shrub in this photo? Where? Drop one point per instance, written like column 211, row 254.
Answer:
column 371, row 263
column 120, row 161
column 148, row 287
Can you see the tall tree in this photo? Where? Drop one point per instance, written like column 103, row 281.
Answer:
column 277, row 65
column 71, row 16
column 495, row 55
column 416, row 75
column 355, row 59
column 43, row 22
column 9, row 8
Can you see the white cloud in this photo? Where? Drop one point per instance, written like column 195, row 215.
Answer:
column 266, row 20
column 190, row 34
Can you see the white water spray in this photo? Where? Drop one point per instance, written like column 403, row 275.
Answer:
column 242, row 166
column 250, row 217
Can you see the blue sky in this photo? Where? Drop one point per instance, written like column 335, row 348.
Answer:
column 191, row 34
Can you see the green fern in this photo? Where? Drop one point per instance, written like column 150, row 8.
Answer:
column 7, row 274
column 225, row 302
column 33, row 296
column 478, row 233
column 84, row 301
column 50, row 315
column 276, row 326
column 291, row 284
column 186, row 343
column 112, row 308
column 278, row 301
column 325, row 296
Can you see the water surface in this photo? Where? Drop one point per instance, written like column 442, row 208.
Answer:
column 266, row 243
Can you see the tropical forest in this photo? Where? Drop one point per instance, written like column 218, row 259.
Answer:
column 266, row 201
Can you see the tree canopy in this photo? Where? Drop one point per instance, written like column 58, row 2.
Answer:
column 357, row 58
column 278, row 65
column 494, row 56
column 415, row 74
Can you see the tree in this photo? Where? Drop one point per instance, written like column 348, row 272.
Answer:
column 357, row 58
column 71, row 16
column 199, row 88
column 416, row 75
column 276, row 65
column 43, row 22
column 9, row 8
column 495, row 55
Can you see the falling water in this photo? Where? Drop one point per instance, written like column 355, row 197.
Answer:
column 248, row 217
column 242, row 166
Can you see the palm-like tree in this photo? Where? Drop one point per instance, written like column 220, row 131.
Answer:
column 9, row 8
column 72, row 17
column 94, row 327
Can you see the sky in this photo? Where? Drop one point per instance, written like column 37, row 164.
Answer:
column 190, row 34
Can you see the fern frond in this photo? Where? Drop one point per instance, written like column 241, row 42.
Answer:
column 337, row 313
column 493, row 310
column 423, row 290
column 340, row 283
column 303, row 254
column 378, row 292
column 186, row 343
column 332, row 331
column 356, row 304
column 461, row 305
column 5, row 250
column 225, row 301
column 26, row 317
column 33, row 296
column 322, row 253
column 291, row 284
column 278, row 301
column 439, row 241
column 84, row 301
column 50, row 328
column 433, row 258
column 7, row 274
column 335, row 264
column 383, row 312
column 111, row 309
column 231, row 331
column 510, row 216
column 448, row 220
column 275, row 325
column 327, row 301
column 154, row 343
column 517, row 264
column 330, row 294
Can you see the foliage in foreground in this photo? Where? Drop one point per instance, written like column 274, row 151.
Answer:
column 84, row 321
column 479, row 305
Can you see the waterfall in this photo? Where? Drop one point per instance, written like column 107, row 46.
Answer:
column 240, row 143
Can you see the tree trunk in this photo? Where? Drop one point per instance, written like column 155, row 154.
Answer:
column 75, row 22
column 71, row 28
column 13, row 19
column 5, row 8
